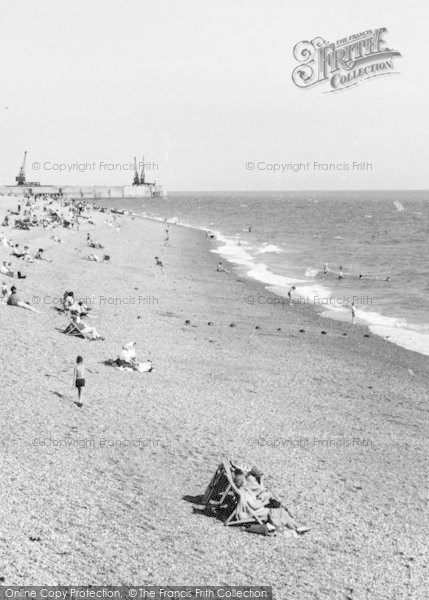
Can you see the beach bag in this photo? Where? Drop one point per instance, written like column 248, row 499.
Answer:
column 145, row 367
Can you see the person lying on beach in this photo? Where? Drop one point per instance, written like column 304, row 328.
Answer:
column 92, row 257
column 15, row 300
column 89, row 332
column 16, row 251
column 221, row 269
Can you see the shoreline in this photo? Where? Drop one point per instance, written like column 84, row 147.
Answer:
column 406, row 338
column 334, row 421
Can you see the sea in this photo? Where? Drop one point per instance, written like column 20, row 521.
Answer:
column 377, row 240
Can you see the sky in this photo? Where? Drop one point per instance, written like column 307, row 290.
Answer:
column 201, row 88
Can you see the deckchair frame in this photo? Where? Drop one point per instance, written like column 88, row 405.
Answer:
column 224, row 471
column 71, row 329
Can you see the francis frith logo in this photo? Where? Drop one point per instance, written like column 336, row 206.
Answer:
column 345, row 63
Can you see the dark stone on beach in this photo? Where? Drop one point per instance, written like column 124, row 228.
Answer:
column 302, row 331
column 210, row 323
column 344, row 333
column 257, row 327
column 370, row 387
column 139, row 317
column 34, row 539
column 323, row 332
column 279, row 328
column 187, row 322
column 232, row 325
column 366, row 335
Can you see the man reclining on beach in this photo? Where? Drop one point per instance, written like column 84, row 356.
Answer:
column 15, row 300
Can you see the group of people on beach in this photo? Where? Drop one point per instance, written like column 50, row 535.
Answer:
column 71, row 306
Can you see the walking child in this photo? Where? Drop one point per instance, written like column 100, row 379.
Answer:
column 79, row 378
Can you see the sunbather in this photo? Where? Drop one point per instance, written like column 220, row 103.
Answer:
column 248, row 504
column 89, row 332
column 92, row 257
column 256, row 500
column 15, row 300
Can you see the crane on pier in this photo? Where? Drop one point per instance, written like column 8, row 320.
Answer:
column 20, row 178
column 136, row 180
column 143, row 176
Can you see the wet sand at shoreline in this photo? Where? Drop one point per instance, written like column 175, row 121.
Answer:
column 338, row 424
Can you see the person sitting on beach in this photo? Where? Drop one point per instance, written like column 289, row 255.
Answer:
column 27, row 256
column 79, row 307
column 40, row 255
column 94, row 244
column 248, row 504
column 128, row 355
column 254, row 483
column 290, row 292
column 340, row 274
column 68, row 300
column 89, row 332
column 160, row 264
column 325, row 269
column 221, row 269
column 5, row 269
column 15, row 300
